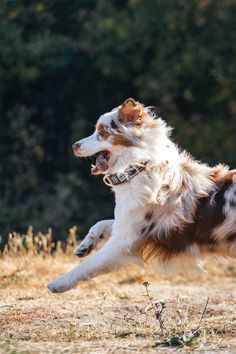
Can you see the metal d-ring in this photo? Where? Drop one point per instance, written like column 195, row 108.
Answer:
column 107, row 181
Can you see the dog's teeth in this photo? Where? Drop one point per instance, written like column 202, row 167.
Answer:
column 92, row 165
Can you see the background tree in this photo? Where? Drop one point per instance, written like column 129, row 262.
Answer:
column 62, row 64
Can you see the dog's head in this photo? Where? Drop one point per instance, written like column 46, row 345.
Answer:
column 122, row 137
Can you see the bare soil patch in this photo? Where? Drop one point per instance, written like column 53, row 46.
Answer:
column 116, row 313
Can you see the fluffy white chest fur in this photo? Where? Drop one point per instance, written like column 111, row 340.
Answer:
column 168, row 206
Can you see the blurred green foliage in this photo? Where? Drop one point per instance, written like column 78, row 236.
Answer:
column 64, row 63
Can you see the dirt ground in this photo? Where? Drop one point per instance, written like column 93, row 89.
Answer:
column 116, row 313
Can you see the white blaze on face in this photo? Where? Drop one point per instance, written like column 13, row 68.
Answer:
column 96, row 143
column 108, row 117
column 92, row 144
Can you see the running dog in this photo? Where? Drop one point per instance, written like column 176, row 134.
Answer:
column 168, row 206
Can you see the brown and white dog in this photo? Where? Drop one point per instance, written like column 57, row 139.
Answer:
column 168, row 206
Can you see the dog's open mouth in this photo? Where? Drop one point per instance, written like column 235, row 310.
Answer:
column 101, row 164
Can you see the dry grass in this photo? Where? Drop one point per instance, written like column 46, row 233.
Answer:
column 114, row 313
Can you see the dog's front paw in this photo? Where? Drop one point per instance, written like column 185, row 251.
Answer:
column 59, row 286
column 83, row 251
column 55, row 288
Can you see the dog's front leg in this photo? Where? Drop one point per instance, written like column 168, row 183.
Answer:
column 113, row 254
column 96, row 237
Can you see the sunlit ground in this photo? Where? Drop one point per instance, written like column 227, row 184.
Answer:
column 115, row 313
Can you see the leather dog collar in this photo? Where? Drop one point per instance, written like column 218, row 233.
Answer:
column 121, row 177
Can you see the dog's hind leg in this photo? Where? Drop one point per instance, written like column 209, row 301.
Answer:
column 96, row 237
column 109, row 258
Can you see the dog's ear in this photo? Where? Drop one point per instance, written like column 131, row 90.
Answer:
column 131, row 111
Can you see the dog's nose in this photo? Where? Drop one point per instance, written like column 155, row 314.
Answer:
column 76, row 146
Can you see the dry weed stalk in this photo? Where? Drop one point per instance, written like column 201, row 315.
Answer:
column 157, row 306
column 182, row 332
column 203, row 314
column 38, row 243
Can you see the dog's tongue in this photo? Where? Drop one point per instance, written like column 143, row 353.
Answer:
column 101, row 163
